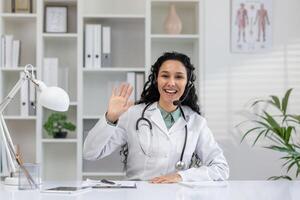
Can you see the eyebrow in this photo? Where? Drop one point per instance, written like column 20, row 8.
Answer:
column 181, row 73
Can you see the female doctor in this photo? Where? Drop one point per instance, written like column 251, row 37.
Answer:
column 163, row 131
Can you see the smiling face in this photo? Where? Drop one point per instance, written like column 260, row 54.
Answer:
column 171, row 82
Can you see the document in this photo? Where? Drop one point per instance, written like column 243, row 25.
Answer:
column 110, row 184
column 203, row 184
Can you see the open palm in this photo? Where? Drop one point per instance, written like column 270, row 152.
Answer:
column 118, row 102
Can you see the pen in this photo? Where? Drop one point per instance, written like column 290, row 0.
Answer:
column 107, row 182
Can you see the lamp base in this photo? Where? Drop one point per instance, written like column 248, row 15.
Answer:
column 13, row 181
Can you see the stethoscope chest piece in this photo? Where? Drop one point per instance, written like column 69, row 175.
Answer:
column 180, row 165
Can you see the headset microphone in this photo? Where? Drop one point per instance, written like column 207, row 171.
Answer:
column 179, row 102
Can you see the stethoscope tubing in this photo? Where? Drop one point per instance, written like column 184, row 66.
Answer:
column 142, row 118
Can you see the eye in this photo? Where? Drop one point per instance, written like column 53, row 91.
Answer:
column 179, row 77
column 164, row 76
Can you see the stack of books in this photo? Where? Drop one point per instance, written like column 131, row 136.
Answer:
column 9, row 52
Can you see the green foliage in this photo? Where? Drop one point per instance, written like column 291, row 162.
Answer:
column 280, row 130
column 57, row 122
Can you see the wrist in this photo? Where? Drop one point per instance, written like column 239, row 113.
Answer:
column 110, row 120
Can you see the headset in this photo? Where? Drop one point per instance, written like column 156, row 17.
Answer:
column 180, row 165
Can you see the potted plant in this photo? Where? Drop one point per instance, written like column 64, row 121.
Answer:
column 57, row 125
column 280, row 129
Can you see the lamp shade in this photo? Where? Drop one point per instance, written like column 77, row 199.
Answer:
column 54, row 98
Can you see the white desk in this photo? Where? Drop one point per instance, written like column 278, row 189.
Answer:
column 236, row 190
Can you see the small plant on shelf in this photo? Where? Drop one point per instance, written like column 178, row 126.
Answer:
column 57, row 125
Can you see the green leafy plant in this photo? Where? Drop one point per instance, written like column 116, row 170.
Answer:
column 280, row 129
column 57, row 123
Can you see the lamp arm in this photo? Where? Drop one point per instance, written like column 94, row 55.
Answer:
column 7, row 144
column 12, row 94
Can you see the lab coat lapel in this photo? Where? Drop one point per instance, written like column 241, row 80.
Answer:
column 157, row 119
column 178, row 125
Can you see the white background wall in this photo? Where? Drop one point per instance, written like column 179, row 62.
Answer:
column 231, row 80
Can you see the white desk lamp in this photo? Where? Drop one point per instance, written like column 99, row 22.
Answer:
column 53, row 98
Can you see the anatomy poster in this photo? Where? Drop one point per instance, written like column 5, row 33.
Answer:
column 251, row 26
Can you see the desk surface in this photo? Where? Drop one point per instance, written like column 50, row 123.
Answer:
column 236, row 190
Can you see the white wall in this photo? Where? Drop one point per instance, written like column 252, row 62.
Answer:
column 231, row 80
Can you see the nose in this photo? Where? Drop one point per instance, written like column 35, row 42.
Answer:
column 171, row 82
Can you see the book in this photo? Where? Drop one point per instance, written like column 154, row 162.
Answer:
column 139, row 85
column 16, row 53
column 8, row 50
column 131, row 81
column 50, row 71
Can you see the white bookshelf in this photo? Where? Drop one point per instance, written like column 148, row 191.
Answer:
column 137, row 37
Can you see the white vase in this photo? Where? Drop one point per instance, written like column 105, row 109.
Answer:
column 173, row 24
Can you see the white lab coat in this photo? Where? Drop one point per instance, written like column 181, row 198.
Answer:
column 163, row 149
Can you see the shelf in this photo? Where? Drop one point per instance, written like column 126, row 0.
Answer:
column 115, row 69
column 103, row 174
column 64, row 140
column 114, row 16
column 19, row 118
column 175, row 1
column 19, row 15
column 60, row 35
column 14, row 69
column 179, row 36
column 95, row 117
column 60, row 2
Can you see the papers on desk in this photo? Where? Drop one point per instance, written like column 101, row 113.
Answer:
column 110, row 184
column 204, row 184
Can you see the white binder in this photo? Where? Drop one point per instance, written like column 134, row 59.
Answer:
column 24, row 97
column 106, row 51
column 97, row 46
column 139, row 85
column 89, row 46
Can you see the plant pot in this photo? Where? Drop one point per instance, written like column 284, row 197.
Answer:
column 62, row 134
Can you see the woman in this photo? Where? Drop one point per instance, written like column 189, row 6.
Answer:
column 161, row 144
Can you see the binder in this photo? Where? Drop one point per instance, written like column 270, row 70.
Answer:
column 106, row 51
column 89, row 46
column 32, row 99
column 97, row 46
column 24, row 96
column 131, row 81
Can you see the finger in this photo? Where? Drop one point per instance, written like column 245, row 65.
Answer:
column 124, row 91
column 129, row 91
column 121, row 89
column 114, row 92
column 129, row 104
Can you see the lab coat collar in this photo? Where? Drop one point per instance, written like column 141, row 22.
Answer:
column 155, row 115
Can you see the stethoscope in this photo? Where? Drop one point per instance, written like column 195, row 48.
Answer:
column 180, row 165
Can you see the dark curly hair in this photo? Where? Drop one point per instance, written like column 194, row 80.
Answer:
column 151, row 94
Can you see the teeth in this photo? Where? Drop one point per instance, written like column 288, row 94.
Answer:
column 170, row 91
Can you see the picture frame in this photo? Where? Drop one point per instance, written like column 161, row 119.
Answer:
column 21, row 6
column 56, row 19
column 251, row 26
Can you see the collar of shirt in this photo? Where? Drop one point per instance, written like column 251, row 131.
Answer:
column 169, row 117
